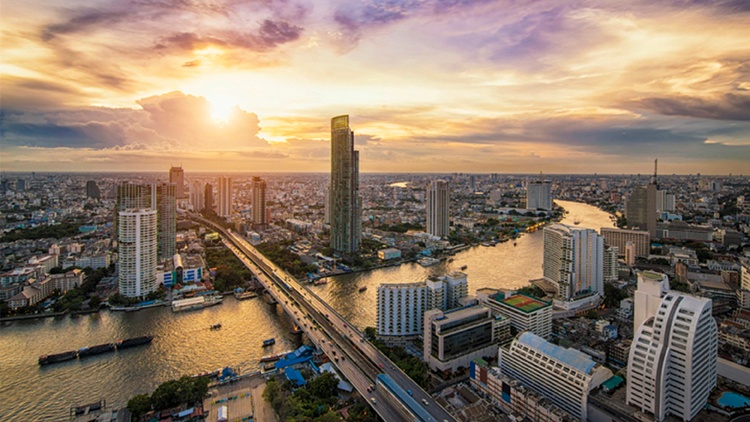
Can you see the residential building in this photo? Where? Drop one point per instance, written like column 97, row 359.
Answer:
column 389, row 253
column 664, row 201
column 563, row 376
column 652, row 287
column 640, row 209
column 621, row 237
column 137, row 242
column 539, row 195
column 630, row 253
column 260, row 219
column 456, row 288
column 208, row 197
column 452, row 339
column 67, row 280
column 345, row 206
column 159, row 197
column 611, row 267
column 177, row 177
column 672, row 364
column 92, row 190
column 573, row 261
column 224, row 208
column 197, row 198
column 401, row 308
column 438, row 208
column 526, row 313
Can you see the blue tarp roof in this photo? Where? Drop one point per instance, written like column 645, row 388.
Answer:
column 294, row 375
column 570, row 357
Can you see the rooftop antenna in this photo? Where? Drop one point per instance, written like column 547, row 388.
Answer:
column 656, row 162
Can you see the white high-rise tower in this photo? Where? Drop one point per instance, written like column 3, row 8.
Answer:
column 574, row 260
column 438, row 208
column 137, row 251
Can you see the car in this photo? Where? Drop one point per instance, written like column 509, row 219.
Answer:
column 371, row 387
column 425, row 402
column 380, row 365
column 409, row 392
column 373, row 400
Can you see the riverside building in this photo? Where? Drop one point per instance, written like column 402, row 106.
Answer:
column 345, row 208
column 137, row 254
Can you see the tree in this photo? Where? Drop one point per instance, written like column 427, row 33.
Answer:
column 139, row 405
column 325, row 386
column 371, row 333
column 613, row 295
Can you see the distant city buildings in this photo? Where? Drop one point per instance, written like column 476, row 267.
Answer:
column 224, row 208
column 137, row 251
column 573, row 261
column 640, row 208
column 208, row 197
column 620, row 237
column 345, row 207
column 197, row 198
column 177, row 176
column 260, row 217
column 438, row 208
column 539, row 195
column 92, row 190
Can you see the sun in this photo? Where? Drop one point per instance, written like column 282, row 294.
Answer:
column 222, row 109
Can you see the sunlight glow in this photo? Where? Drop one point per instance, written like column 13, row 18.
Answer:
column 222, row 109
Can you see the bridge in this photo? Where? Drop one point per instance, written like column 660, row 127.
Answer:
column 355, row 357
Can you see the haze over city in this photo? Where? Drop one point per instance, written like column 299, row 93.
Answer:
column 464, row 86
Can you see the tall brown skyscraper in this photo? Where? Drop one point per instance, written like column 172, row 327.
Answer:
column 177, row 176
column 260, row 219
column 345, row 207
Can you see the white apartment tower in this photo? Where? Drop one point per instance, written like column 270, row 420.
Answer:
column 610, row 263
column 225, row 196
column 456, row 288
column 137, row 251
column 673, row 358
column 539, row 195
column 438, row 208
column 574, row 260
column 652, row 287
column 401, row 308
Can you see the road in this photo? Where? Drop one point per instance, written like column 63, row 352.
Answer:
column 355, row 357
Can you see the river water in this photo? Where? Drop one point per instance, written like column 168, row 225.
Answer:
column 184, row 344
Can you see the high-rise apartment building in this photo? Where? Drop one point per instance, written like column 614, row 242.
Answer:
column 620, row 237
column 92, row 190
column 345, row 207
column 562, row 376
column 156, row 196
column 260, row 219
column 611, row 268
column 197, row 200
column 438, row 208
column 137, row 251
column 539, row 195
column 225, row 197
column 640, row 209
column 401, row 308
column 456, row 288
column 208, row 196
column 672, row 364
column 177, row 176
column 652, row 287
column 664, row 201
column 573, row 261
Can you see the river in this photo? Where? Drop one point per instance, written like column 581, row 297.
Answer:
column 184, row 344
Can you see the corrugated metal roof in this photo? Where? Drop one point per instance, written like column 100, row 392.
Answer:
column 570, row 357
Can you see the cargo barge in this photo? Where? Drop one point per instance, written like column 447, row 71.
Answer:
column 96, row 350
column 132, row 342
column 58, row 357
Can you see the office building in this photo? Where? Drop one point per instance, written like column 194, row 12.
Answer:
column 456, row 288
column 630, row 253
column 562, row 376
column 673, row 357
column 137, row 251
column 620, row 238
column 177, row 176
column 197, row 200
column 664, row 201
column 438, row 208
column 208, row 197
column 156, row 196
column 260, row 219
column 611, row 268
column 743, row 296
column 401, row 308
column 640, row 209
column 224, row 208
column 539, row 195
column 92, row 190
column 345, row 210
column 573, row 261
column 455, row 338
column 526, row 313
column 652, row 287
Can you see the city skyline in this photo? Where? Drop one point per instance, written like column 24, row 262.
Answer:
column 485, row 87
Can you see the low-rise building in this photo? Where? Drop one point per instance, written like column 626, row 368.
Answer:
column 389, row 253
column 526, row 313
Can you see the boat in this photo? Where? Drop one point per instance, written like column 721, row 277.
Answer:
column 269, row 367
column 362, row 289
column 194, row 303
column 273, row 358
column 216, row 326
column 514, row 243
column 463, row 267
column 427, row 261
column 269, row 342
column 320, row 281
column 244, row 295
column 132, row 342
column 96, row 350
column 58, row 357
column 577, row 221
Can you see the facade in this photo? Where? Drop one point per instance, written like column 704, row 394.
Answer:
column 401, row 308
column 526, row 313
column 224, row 208
column 345, row 209
column 456, row 288
column 539, row 195
column 137, row 242
column 68, row 280
column 438, row 208
column 573, row 261
column 672, row 364
column 208, row 197
column 563, row 376
column 177, row 177
column 664, row 201
column 452, row 339
column 683, row 231
column 197, row 200
column 260, row 220
column 389, row 253
column 156, row 196
column 611, row 268
column 652, row 286
column 640, row 209
column 621, row 237
column 92, row 190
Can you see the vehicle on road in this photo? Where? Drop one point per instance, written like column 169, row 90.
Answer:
column 374, row 401
column 425, row 402
column 409, row 392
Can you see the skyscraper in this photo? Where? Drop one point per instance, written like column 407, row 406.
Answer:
column 539, row 195
column 438, row 208
column 225, row 196
column 92, row 190
column 177, row 176
column 159, row 197
column 673, row 361
column 640, row 209
column 208, row 196
column 260, row 219
column 137, row 251
column 574, row 260
column 197, row 199
column 345, row 207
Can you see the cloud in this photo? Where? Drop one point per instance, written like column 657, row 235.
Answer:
column 729, row 106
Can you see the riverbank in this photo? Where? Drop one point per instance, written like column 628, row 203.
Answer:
column 34, row 316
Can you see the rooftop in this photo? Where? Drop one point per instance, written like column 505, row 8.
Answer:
column 570, row 357
column 525, row 303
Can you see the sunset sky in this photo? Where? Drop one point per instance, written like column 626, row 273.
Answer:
column 561, row 86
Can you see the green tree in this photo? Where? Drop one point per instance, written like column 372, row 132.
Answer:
column 613, row 295
column 139, row 405
column 325, row 386
column 371, row 333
